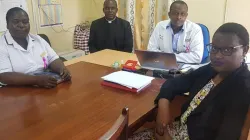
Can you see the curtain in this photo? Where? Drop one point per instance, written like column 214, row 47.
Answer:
column 143, row 15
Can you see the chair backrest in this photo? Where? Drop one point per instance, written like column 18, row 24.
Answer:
column 206, row 40
column 45, row 37
column 119, row 131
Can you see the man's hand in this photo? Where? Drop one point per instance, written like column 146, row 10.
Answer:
column 46, row 81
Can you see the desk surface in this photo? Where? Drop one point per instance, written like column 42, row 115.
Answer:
column 79, row 110
column 105, row 57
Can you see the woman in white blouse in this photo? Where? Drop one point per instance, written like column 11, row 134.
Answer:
column 22, row 54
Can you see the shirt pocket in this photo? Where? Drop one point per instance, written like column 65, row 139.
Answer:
column 160, row 41
column 41, row 57
column 187, row 42
column 186, row 46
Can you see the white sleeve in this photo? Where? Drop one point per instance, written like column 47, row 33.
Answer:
column 153, row 41
column 5, row 63
column 195, row 54
column 52, row 56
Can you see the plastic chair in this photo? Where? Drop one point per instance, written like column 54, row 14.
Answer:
column 206, row 39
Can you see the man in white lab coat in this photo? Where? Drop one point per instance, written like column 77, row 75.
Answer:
column 178, row 35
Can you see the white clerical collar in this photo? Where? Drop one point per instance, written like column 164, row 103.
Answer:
column 110, row 21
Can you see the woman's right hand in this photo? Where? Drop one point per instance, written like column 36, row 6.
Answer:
column 163, row 116
column 46, row 81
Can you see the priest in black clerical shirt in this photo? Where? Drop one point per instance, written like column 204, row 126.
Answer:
column 110, row 32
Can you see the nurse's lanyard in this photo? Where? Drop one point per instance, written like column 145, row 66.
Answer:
column 44, row 60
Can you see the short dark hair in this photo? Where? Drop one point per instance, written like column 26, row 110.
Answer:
column 237, row 29
column 110, row 0
column 178, row 2
column 12, row 11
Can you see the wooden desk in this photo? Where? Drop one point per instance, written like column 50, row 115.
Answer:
column 81, row 110
column 105, row 57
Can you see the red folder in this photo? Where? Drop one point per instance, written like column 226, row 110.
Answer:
column 114, row 85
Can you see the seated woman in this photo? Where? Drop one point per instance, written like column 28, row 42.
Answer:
column 23, row 54
column 219, row 93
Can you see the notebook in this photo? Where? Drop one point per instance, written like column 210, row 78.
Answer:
column 114, row 85
column 127, row 81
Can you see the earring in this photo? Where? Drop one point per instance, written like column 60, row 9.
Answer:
column 244, row 58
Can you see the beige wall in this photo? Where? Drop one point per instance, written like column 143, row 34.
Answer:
column 214, row 13
column 238, row 11
column 96, row 7
column 208, row 12
column 74, row 12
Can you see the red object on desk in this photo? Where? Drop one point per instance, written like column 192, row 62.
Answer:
column 130, row 65
column 114, row 85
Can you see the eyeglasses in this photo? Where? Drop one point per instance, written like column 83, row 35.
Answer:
column 225, row 51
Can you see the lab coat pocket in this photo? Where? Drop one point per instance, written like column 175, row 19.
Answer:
column 161, row 42
column 187, row 45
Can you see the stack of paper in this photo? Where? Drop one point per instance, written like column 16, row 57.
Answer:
column 127, row 81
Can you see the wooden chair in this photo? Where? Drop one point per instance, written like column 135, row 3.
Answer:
column 119, row 131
